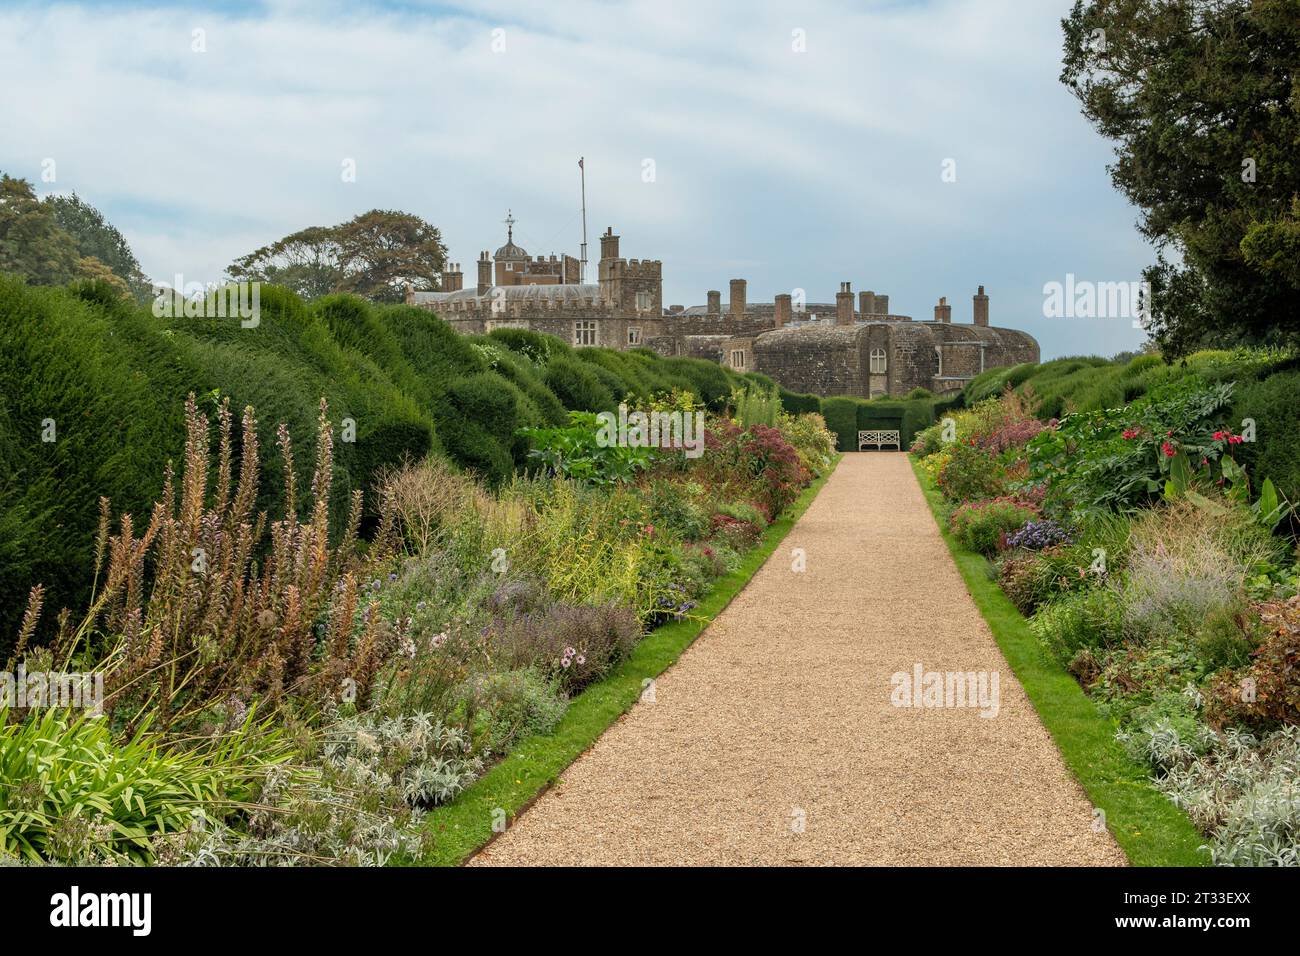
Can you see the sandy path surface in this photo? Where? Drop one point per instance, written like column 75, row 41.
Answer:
column 773, row 740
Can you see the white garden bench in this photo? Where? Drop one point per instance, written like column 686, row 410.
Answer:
column 879, row 439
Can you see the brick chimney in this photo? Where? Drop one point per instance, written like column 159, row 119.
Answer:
column 866, row 304
column 715, row 302
column 981, row 308
column 844, row 305
column 609, row 244
column 737, row 298
column 943, row 311
column 882, row 305
column 484, row 273
column 782, row 312
column 452, row 278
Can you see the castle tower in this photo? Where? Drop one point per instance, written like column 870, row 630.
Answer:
column 610, row 269
column 943, row 311
column 738, row 287
column 781, row 311
column 453, row 280
column 484, row 273
column 844, row 305
column 981, row 308
column 715, row 302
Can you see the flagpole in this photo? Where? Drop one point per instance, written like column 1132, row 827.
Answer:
column 582, row 171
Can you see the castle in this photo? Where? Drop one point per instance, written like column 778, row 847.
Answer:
column 848, row 347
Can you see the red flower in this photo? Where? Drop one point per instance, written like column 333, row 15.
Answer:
column 1218, row 436
column 1168, row 449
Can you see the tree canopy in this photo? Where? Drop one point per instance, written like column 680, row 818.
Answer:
column 1202, row 99
column 99, row 239
column 373, row 255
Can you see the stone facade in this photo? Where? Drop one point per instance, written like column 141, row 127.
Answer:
column 850, row 346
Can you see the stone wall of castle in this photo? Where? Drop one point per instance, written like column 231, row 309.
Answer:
column 854, row 346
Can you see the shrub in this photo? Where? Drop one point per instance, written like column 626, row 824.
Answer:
column 811, row 439
column 673, row 505
column 1241, row 791
column 1275, row 453
column 983, row 526
column 1037, row 535
column 841, row 415
column 503, row 708
column 1078, row 621
column 795, row 404
column 571, row 645
column 576, row 385
column 1267, row 693
column 579, row 452
column 755, row 405
column 420, row 758
column 480, row 426
column 1187, row 564
column 971, row 474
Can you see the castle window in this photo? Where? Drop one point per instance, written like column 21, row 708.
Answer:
column 633, row 336
column 643, row 301
column 737, row 358
column 879, row 362
column 584, row 332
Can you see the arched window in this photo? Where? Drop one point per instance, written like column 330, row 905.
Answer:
column 879, row 363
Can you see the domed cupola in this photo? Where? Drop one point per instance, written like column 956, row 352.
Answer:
column 510, row 252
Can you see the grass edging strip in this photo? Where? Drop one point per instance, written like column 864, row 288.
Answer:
column 1145, row 823
column 464, row 826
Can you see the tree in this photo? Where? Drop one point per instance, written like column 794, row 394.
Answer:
column 31, row 243
column 97, row 238
column 374, row 255
column 1202, row 99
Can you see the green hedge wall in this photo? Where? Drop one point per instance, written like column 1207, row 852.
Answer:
column 113, row 379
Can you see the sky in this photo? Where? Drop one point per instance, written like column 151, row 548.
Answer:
column 917, row 148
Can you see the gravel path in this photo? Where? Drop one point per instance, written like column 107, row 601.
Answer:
column 774, row 741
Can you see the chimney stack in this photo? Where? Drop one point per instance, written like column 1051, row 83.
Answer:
column 782, row 312
column 452, row 278
column 737, row 298
column 715, row 302
column 882, row 305
column 943, row 311
column 609, row 244
column 484, row 273
column 981, row 308
column 844, row 305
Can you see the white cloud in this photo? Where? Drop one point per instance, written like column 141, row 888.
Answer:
column 799, row 168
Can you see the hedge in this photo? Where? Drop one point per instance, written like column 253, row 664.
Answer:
column 113, row 379
column 796, row 404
